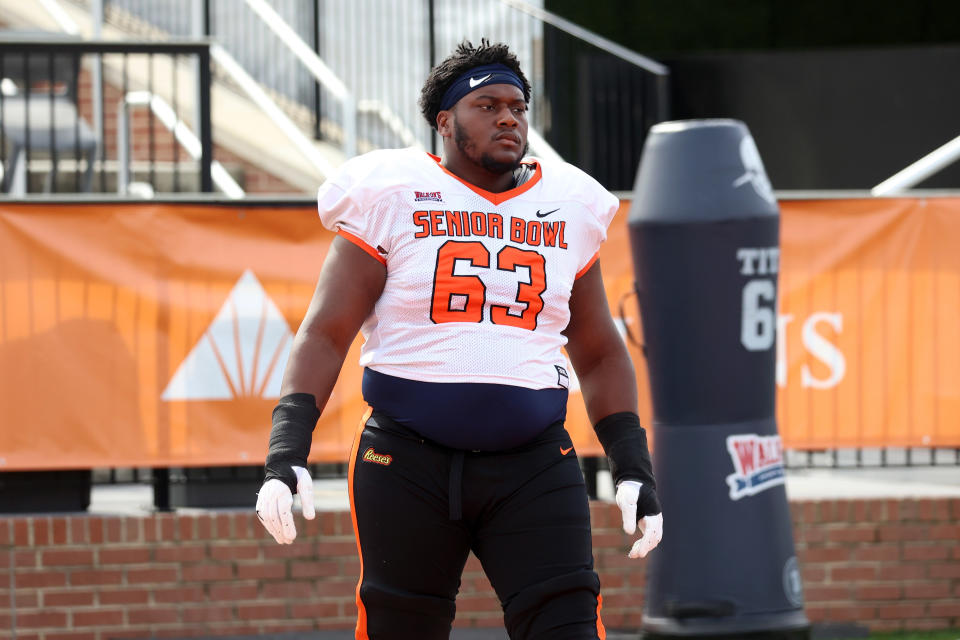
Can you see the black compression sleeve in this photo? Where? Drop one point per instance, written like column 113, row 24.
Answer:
column 625, row 443
column 294, row 419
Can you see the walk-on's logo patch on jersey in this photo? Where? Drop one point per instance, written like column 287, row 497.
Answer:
column 379, row 458
column 758, row 464
column 563, row 379
column 421, row 196
column 241, row 354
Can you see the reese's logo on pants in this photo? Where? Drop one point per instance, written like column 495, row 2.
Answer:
column 380, row 458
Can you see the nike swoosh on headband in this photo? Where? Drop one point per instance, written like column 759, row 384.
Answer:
column 478, row 81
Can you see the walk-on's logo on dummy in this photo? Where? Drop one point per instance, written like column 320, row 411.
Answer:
column 241, row 354
column 753, row 170
column 757, row 463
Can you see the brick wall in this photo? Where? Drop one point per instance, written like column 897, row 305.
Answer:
column 886, row 564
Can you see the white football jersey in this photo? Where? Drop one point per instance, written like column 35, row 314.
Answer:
column 478, row 283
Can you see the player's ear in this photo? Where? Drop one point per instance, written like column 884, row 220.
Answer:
column 445, row 123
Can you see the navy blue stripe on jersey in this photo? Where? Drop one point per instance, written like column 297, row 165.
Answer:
column 466, row 415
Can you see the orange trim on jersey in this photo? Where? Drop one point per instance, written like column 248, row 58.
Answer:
column 496, row 198
column 363, row 245
column 361, row 610
column 601, row 631
column 587, row 268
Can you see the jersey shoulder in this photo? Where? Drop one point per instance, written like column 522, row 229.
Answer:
column 564, row 181
column 376, row 174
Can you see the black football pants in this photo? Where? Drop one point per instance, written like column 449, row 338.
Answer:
column 420, row 508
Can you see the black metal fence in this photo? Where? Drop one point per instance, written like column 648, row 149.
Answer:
column 61, row 130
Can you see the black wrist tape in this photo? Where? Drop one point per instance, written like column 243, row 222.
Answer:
column 625, row 443
column 294, row 419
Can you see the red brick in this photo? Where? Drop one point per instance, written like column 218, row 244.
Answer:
column 864, row 533
column 849, row 613
column 261, row 571
column 206, row 572
column 350, row 568
column 336, row 588
column 95, row 529
column 98, row 618
column 813, row 574
column 97, row 576
column 224, row 531
column 314, row 569
column 295, row 550
column 927, row 591
column 69, row 635
column 58, row 530
column 898, row 532
column 852, row 574
column 178, row 595
column 924, row 552
column 38, row 579
column 877, row 592
column 933, row 509
column 901, row 610
column 143, row 616
column 229, row 592
column 314, row 610
column 823, row 554
column 867, row 511
column 167, row 524
column 142, row 576
column 209, row 613
column 187, row 529
column 21, row 532
column 132, row 529
column 945, row 609
column 328, row 548
column 125, row 596
column 944, row 570
column 945, row 532
column 827, row 593
column 74, row 558
column 112, row 529
column 70, row 598
column 291, row 590
column 876, row 553
column 124, row 555
column 186, row 553
column 41, row 531
column 6, row 531
column 236, row 551
column 25, row 599
column 903, row 572
column 41, row 620
column 78, row 530
column 262, row 611
column 205, row 528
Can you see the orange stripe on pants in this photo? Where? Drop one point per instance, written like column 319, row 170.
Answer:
column 361, row 633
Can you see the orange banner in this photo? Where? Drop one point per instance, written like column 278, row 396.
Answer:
column 147, row 334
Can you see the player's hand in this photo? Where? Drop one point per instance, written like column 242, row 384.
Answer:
column 639, row 506
column 275, row 505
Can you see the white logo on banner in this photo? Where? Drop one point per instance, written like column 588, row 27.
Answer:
column 241, row 354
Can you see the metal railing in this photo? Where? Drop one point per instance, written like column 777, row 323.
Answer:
column 920, row 170
column 593, row 100
column 182, row 134
column 45, row 120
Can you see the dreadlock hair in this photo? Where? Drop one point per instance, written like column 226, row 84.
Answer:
column 459, row 62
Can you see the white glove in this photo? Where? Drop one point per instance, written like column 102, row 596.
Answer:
column 651, row 526
column 275, row 505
